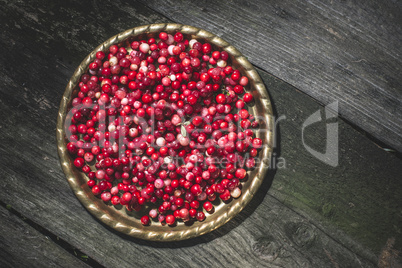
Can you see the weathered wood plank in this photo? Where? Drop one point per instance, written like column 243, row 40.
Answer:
column 362, row 195
column 23, row 246
column 285, row 227
column 332, row 50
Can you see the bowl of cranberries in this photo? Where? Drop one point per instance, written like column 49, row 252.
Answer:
column 165, row 132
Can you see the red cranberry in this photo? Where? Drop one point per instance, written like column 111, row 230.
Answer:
column 200, row 216
column 79, row 162
column 145, row 220
column 208, row 206
column 257, row 143
column 184, row 214
column 221, row 99
column 170, row 220
column 248, row 97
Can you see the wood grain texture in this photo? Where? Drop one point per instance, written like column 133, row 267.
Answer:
column 305, row 218
column 348, row 51
column 23, row 246
column 361, row 196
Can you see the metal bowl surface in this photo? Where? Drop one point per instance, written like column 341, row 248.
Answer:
column 128, row 222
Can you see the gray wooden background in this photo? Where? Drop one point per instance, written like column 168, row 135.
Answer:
column 306, row 214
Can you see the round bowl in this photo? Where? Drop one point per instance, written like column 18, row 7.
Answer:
column 128, row 222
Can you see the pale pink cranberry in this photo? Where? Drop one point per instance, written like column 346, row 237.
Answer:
column 243, row 81
column 221, row 63
column 143, row 69
column 162, row 60
column 232, row 136
column 184, row 141
column 114, row 190
column 190, row 176
column 113, row 61
column 153, row 213
column 189, row 166
column 111, row 127
column 159, row 183
column 100, row 174
column 170, row 39
column 166, row 81
column 176, row 119
column 160, row 141
column 144, row 48
column 222, row 141
column 193, row 158
column 106, row 196
column 206, row 175
column 236, row 192
column 184, row 214
column 124, row 101
column 170, row 50
column 133, row 132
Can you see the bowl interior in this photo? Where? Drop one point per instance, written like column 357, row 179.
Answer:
column 129, row 222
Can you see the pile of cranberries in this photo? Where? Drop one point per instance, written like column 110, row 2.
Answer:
column 162, row 126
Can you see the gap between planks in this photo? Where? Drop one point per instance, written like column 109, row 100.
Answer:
column 82, row 256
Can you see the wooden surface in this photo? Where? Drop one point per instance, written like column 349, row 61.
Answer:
column 348, row 51
column 306, row 213
column 22, row 246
